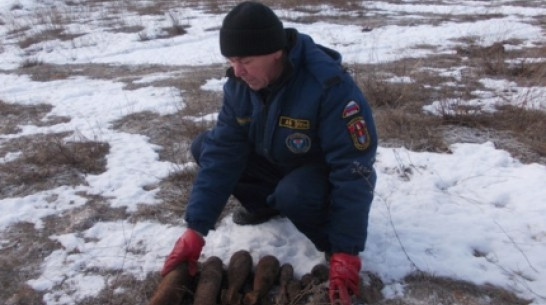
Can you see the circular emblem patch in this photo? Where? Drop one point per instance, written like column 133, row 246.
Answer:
column 298, row 143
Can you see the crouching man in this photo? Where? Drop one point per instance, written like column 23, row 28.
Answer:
column 295, row 137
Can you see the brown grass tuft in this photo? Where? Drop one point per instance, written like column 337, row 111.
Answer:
column 22, row 252
column 13, row 115
column 47, row 161
column 124, row 289
column 432, row 289
column 413, row 131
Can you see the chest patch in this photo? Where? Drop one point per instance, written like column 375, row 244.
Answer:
column 350, row 109
column 292, row 123
column 359, row 133
column 298, row 143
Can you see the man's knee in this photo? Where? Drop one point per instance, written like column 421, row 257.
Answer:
column 305, row 191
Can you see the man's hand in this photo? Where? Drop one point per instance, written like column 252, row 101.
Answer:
column 344, row 280
column 187, row 249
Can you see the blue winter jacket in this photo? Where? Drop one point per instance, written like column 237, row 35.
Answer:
column 318, row 115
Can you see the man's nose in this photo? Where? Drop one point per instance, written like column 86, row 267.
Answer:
column 238, row 69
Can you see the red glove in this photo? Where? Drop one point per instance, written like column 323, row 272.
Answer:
column 344, row 269
column 187, row 249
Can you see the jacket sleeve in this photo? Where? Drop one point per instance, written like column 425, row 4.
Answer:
column 349, row 142
column 222, row 162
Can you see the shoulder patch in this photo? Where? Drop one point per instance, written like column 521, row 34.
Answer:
column 350, row 109
column 358, row 130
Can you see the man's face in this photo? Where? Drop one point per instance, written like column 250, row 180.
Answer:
column 257, row 71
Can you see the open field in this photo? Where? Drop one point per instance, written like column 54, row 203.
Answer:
column 101, row 98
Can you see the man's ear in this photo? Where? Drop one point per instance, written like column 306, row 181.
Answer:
column 278, row 55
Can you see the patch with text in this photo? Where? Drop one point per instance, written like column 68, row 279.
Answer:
column 292, row 123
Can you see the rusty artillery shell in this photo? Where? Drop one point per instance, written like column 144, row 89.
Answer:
column 306, row 280
column 286, row 275
column 173, row 286
column 209, row 282
column 267, row 272
column 320, row 273
column 293, row 290
column 239, row 268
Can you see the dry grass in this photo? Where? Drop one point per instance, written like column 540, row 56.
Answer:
column 14, row 115
column 140, row 290
column 23, row 250
column 429, row 289
column 397, row 92
column 40, row 26
column 526, row 125
column 45, row 35
column 96, row 209
column 47, row 161
column 313, row 4
column 398, row 105
column 517, row 121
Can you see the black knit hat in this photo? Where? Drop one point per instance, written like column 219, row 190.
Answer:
column 251, row 28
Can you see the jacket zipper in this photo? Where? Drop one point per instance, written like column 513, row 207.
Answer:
column 264, row 128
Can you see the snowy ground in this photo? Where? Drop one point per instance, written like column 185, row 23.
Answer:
column 476, row 214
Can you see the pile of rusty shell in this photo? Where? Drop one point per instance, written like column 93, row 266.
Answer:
column 269, row 283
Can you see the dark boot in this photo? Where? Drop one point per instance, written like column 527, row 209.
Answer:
column 242, row 216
